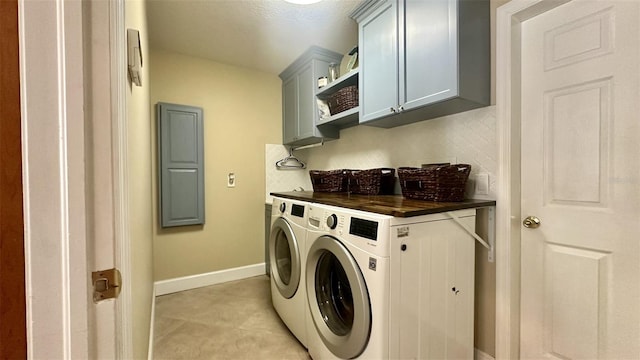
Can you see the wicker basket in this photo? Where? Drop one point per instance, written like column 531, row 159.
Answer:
column 329, row 181
column 343, row 99
column 437, row 182
column 372, row 182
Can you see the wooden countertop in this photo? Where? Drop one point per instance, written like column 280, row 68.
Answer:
column 394, row 205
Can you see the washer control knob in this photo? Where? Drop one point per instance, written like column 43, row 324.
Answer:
column 283, row 207
column 332, row 221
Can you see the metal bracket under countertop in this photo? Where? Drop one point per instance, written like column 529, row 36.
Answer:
column 491, row 231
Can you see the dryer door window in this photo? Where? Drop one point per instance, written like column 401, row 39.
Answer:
column 284, row 256
column 333, row 294
column 338, row 298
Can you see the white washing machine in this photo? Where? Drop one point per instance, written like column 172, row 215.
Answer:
column 347, row 273
column 287, row 254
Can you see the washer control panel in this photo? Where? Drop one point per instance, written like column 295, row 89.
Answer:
column 332, row 221
column 368, row 231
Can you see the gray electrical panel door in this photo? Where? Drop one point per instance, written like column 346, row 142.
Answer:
column 181, row 165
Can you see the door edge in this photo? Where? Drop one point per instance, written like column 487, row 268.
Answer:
column 122, row 241
column 509, row 18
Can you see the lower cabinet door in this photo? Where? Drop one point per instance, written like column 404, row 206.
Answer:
column 432, row 291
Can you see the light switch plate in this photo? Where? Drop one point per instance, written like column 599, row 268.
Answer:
column 231, row 180
column 134, row 56
column 482, row 184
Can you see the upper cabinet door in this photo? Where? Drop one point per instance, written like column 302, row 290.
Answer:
column 299, row 106
column 289, row 110
column 422, row 59
column 306, row 102
column 428, row 69
column 379, row 62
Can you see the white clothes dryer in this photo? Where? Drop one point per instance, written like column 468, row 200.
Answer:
column 347, row 273
column 287, row 254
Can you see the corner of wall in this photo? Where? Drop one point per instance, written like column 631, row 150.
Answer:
column 139, row 189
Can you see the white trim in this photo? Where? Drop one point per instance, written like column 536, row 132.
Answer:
column 152, row 324
column 169, row 286
column 124, row 317
column 481, row 355
column 24, row 90
column 52, row 108
column 509, row 18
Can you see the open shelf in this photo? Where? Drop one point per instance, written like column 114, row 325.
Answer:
column 348, row 79
column 346, row 118
column 342, row 120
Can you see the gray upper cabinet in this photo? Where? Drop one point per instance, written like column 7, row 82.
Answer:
column 299, row 106
column 422, row 59
column 378, row 51
column 181, row 165
column 290, row 109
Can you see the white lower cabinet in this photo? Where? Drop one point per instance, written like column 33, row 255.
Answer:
column 432, row 288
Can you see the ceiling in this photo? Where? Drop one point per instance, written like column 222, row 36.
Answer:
column 266, row 35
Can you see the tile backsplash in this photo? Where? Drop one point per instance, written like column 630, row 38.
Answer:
column 282, row 180
column 468, row 138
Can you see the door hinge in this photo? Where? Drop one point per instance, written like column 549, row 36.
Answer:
column 106, row 284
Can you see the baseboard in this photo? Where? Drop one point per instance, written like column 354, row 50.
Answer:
column 480, row 355
column 170, row 286
column 152, row 324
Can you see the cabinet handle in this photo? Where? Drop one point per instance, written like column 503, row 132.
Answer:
column 403, row 247
column 393, row 110
column 400, row 108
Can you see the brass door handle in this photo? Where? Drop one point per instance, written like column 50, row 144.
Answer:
column 531, row 222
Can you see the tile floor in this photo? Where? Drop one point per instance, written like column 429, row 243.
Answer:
column 234, row 320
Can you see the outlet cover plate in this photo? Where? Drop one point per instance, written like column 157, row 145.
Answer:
column 482, row 184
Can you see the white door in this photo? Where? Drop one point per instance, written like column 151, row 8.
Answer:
column 70, row 187
column 110, row 334
column 580, row 279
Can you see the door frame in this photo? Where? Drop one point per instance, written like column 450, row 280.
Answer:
column 508, row 89
column 122, row 241
column 61, row 322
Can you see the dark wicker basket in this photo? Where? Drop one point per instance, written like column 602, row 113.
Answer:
column 439, row 182
column 329, row 181
column 343, row 99
column 372, row 182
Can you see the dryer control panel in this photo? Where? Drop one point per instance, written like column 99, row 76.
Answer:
column 297, row 210
column 367, row 231
column 365, row 228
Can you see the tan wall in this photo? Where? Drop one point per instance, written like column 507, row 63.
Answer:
column 242, row 112
column 139, row 155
